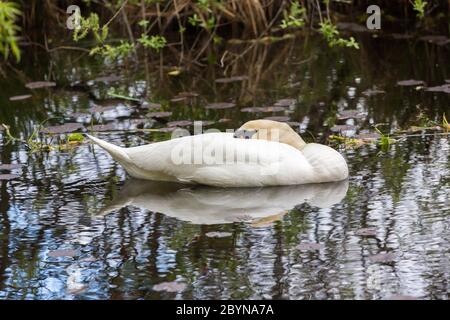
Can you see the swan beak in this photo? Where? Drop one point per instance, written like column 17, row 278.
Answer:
column 244, row 134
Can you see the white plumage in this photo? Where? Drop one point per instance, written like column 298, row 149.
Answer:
column 219, row 159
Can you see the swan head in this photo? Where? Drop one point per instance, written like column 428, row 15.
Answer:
column 272, row 131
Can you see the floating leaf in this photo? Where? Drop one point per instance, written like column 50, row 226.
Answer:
column 366, row 232
column 372, row 92
column 231, row 79
column 64, row 128
column 40, row 84
column 383, row 257
column 63, row 253
column 280, row 119
column 173, row 286
column 220, row 105
column 8, row 176
column 350, row 114
column 180, row 123
column 309, row 246
column 103, row 127
column 187, row 94
column 410, row 82
column 150, row 105
column 21, row 97
column 178, row 99
column 75, row 137
column 285, row 102
column 175, row 72
column 161, row 114
column 9, row 166
column 218, row 234
column 443, row 88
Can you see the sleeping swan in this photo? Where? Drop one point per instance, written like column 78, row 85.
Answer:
column 260, row 153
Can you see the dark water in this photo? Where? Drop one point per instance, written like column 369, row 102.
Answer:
column 72, row 225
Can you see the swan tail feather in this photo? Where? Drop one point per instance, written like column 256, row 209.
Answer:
column 118, row 153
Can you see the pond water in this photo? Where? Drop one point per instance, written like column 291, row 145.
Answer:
column 74, row 226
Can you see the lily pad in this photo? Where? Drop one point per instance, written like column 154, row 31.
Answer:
column 187, row 94
column 178, row 99
column 410, row 83
column 103, row 127
column 383, row 257
column 220, row 105
column 309, row 246
column 161, row 114
column 231, row 79
column 63, row 253
column 8, row 176
column 180, row 123
column 64, row 128
column 9, row 166
column 372, row 92
column 21, row 97
column 40, row 84
column 218, row 234
column 251, row 109
column 173, row 286
column 285, row 102
column 366, row 232
column 442, row 88
column 150, row 105
column 280, row 119
column 350, row 114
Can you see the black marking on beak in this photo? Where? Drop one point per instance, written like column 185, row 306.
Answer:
column 244, row 134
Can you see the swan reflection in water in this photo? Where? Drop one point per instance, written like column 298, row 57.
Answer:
column 209, row 205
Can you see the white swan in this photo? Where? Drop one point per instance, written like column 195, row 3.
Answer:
column 205, row 205
column 272, row 154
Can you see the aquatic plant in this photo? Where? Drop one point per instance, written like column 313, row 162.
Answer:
column 419, row 7
column 9, row 12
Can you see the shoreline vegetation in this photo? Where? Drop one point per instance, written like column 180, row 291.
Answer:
column 195, row 31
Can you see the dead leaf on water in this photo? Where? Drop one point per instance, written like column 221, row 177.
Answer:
column 21, row 97
column 64, row 128
column 9, row 166
column 162, row 114
column 410, row 83
column 173, row 286
column 372, row 92
column 40, row 84
column 220, row 105
column 8, row 176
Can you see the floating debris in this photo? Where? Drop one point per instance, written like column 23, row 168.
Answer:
column 63, row 253
column 343, row 127
column 220, row 105
column 442, row 88
column 280, row 119
column 21, row 97
column 231, row 79
column 40, row 84
column 173, row 286
column 218, row 234
column 383, row 257
column 410, row 83
column 372, row 92
column 150, row 105
column 161, row 114
column 311, row 246
column 103, row 127
column 187, row 94
column 180, row 123
column 9, row 166
column 350, row 114
column 8, row 176
column 178, row 99
column 366, row 232
column 285, row 102
column 64, row 128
